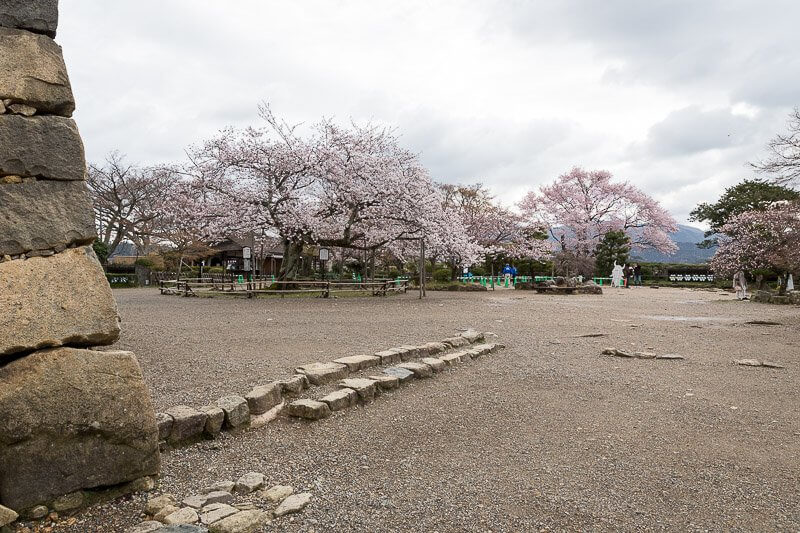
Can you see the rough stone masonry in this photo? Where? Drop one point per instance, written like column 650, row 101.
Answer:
column 71, row 418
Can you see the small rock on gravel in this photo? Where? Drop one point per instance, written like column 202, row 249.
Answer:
column 295, row 384
column 435, row 363
column 218, row 496
column 364, row 387
column 310, row 409
column 293, row 504
column 748, row 362
column 358, row 362
column 157, row 503
column 249, row 482
column 164, row 511
column 146, row 527
column 322, row 373
column 385, row 382
column 221, row 486
column 187, row 423
column 7, row 516
column 263, row 398
column 671, row 356
column 420, row 370
column 187, row 515
column 277, row 493
column 73, row 500
column 242, row 522
column 216, row 417
column 196, row 501
column 216, row 512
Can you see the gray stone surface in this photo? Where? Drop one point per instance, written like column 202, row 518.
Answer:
column 216, row 417
column 242, row 522
column 182, row 528
column 65, row 502
column 237, row 413
column 340, row 399
column 32, row 72
column 472, row 336
column 403, row 374
column 277, row 493
column 47, row 147
column 358, row 362
column 196, row 501
column 388, row 357
column 217, row 513
column 385, row 382
column 219, row 496
column 436, row 347
column 263, row 398
column 56, row 300
column 7, row 516
column 186, row 515
column 40, row 16
column 456, row 342
column 295, row 384
column 44, row 215
column 187, row 423
column 437, row 365
column 73, row 419
column 322, row 373
column 453, row 358
column 420, row 370
column 220, row 486
column 164, row 422
column 249, row 482
column 365, row 388
column 293, row 504
column 309, row 409
column 155, row 504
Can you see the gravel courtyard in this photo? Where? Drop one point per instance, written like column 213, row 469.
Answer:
column 546, row 434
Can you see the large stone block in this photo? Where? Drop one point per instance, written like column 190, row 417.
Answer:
column 32, row 72
column 59, row 300
column 73, row 419
column 40, row 16
column 44, row 215
column 45, row 147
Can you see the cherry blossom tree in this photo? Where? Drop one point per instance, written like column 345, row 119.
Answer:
column 580, row 207
column 350, row 187
column 768, row 239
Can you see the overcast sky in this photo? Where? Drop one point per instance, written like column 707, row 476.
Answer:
column 675, row 96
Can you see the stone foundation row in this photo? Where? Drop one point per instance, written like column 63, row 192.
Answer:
column 353, row 391
column 223, row 507
column 183, row 424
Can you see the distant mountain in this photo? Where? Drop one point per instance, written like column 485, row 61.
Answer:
column 686, row 238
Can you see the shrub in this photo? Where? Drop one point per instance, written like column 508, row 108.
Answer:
column 442, row 274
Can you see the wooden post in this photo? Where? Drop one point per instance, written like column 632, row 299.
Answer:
column 421, row 264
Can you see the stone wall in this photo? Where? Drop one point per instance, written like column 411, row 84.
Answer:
column 71, row 417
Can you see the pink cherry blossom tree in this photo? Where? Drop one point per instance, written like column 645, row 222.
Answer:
column 767, row 239
column 580, row 207
column 350, row 187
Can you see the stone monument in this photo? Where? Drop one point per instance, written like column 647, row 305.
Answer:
column 71, row 417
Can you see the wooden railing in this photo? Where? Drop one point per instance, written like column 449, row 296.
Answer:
column 250, row 288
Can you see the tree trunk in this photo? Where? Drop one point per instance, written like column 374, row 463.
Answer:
column 782, row 279
column 292, row 250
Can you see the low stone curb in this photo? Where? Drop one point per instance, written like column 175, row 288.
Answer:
column 182, row 424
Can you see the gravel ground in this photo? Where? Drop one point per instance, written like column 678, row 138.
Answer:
column 544, row 435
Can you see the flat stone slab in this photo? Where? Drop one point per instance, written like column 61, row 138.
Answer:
column 41, row 215
column 187, row 423
column 56, row 300
column 249, row 482
column 309, row 409
column 340, row 399
column 98, row 405
column 453, row 358
column 358, row 362
column 436, row 364
column 32, row 72
column 385, row 382
column 420, row 370
column 436, row 347
column 670, row 356
column 277, row 493
column 210, row 515
column 322, row 373
column 48, row 147
column 402, row 374
column 293, row 504
column 263, row 398
column 40, row 16
column 186, row 515
column 241, row 522
column 389, row 357
column 456, row 342
column 237, row 412
column 365, row 388
column 295, row 384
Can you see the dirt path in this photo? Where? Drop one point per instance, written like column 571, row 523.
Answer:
column 547, row 434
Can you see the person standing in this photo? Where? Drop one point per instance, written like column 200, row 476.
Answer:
column 740, row 285
column 507, row 271
column 637, row 274
column 513, row 274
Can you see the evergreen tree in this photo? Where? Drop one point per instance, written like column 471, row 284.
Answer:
column 615, row 246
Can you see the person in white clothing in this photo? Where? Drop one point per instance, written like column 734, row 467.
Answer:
column 740, row 285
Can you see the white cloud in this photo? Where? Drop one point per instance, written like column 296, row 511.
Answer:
column 674, row 96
